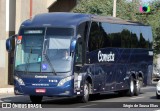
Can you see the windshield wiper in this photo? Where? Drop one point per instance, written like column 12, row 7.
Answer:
column 45, row 54
column 26, row 71
column 48, row 60
column 50, row 64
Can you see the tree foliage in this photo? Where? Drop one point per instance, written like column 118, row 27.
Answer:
column 100, row 7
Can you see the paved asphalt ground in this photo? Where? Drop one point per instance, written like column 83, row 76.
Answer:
column 104, row 102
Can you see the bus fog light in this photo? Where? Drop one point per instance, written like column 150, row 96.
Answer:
column 19, row 80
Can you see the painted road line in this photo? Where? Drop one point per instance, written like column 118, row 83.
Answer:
column 86, row 105
column 136, row 97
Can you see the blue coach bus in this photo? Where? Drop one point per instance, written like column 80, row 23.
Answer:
column 75, row 55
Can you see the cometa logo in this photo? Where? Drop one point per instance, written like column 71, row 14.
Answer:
column 36, row 76
column 105, row 57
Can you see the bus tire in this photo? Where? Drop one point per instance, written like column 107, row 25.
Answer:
column 137, row 87
column 85, row 97
column 130, row 91
column 36, row 99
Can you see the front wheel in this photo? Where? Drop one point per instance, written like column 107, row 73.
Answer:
column 85, row 96
column 36, row 99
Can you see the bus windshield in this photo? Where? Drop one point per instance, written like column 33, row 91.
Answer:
column 44, row 50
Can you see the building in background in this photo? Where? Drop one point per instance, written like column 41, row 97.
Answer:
column 12, row 14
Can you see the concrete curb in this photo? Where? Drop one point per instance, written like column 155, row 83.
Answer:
column 7, row 90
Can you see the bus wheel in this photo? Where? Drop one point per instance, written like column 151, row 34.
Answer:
column 36, row 99
column 85, row 97
column 137, row 87
column 130, row 92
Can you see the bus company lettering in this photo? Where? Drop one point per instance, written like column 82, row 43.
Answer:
column 105, row 57
column 36, row 76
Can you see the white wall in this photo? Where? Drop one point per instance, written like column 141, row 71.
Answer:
column 10, row 15
column 12, row 12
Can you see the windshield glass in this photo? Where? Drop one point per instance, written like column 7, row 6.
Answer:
column 57, row 46
column 34, row 45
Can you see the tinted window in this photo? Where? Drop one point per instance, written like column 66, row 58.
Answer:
column 105, row 31
column 78, row 59
column 145, row 37
column 121, row 36
column 33, row 31
column 115, row 35
column 126, row 36
column 135, row 35
column 82, row 31
column 60, row 31
column 94, row 34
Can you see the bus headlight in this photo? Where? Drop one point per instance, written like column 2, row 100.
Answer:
column 65, row 80
column 19, row 80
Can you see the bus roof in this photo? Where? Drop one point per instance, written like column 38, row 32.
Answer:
column 71, row 19
column 115, row 20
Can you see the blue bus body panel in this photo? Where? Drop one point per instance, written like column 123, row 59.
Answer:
column 116, row 73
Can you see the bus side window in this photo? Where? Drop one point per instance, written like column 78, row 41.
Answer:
column 93, row 36
column 78, row 56
column 79, row 52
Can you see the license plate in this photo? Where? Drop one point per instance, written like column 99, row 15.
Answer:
column 40, row 90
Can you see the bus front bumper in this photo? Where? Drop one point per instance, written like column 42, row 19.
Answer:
column 64, row 91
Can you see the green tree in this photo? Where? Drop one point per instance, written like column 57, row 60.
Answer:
column 100, row 7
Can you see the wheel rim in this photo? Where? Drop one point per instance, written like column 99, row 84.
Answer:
column 86, row 91
column 131, row 86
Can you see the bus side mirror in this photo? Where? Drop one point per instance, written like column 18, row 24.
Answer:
column 9, row 44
